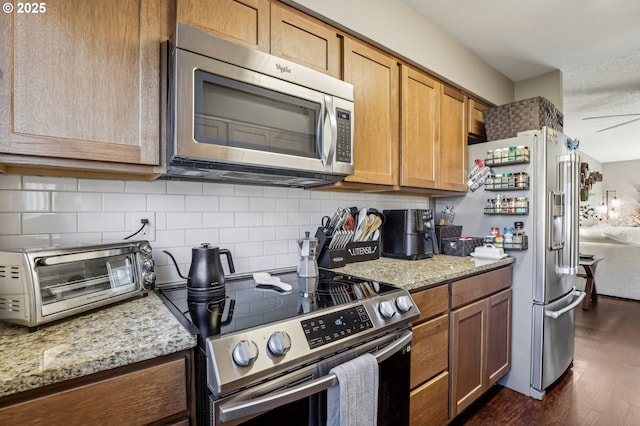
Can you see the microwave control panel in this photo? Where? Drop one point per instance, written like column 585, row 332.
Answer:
column 343, row 148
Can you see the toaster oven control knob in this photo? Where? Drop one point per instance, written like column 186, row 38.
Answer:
column 386, row 309
column 279, row 343
column 404, row 303
column 244, row 353
column 149, row 278
column 148, row 264
column 145, row 248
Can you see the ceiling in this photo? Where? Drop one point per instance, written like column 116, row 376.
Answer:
column 594, row 43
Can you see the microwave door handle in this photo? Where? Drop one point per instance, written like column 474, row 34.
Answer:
column 237, row 410
column 328, row 112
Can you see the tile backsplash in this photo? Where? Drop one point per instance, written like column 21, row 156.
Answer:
column 260, row 225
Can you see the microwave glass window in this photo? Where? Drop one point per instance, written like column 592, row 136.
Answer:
column 280, row 123
column 60, row 282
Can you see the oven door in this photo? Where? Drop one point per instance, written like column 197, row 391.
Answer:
column 300, row 396
column 226, row 113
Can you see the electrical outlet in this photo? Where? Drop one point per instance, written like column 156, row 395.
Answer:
column 134, row 222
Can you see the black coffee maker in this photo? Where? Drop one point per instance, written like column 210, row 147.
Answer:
column 409, row 234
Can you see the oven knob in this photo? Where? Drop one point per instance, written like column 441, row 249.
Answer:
column 148, row 264
column 279, row 343
column 404, row 303
column 245, row 353
column 386, row 309
column 149, row 277
column 145, row 248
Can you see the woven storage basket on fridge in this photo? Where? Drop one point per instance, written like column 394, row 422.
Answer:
column 507, row 120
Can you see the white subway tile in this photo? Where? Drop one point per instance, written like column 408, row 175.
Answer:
column 262, row 204
column 298, row 193
column 40, row 223
column 154, row 187
column 247, row 191
column 101, row 222
column 124, row 202
column 167, row 274
column 219, row 189
column 287, row 205
column 75, row 238
column 310, row 205
column 261, row 263
column 169, row 238
column 100, row 185
column 167, row 203
column 10, row 182
column 49, row 183
column 202, row 203
column 287, row 233
column 10, row 224
column 234, row 204
column 184, row 187
column 234, row 235
column 184, row 220
column 275, row 247
column 275, row 192
column 274, row 219
column 195, row 237
column 300, row 219
column 24, row 201
column 242, row 265
column 22, row 241
column 265, row 233
column 218, row 220
column 248, row 219
column 161, row 221
column 247, row 250
column 320, row 195
column 76, row 202
column 287, row 260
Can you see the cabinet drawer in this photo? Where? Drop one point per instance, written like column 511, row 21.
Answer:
column 139, row 397
column 474, row 288
column 429, row 402
column 432, row 302
column 429, row 350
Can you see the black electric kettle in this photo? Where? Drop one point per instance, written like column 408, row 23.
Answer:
column 206, row 270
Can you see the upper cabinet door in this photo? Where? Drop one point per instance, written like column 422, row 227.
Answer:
column 420, row 112
column 81, row 81
column 453, row 140
column 242, row 21
column 476, row 120
column 374, row 76
column 302, row 39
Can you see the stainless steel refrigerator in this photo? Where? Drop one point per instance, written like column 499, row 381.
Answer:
column 536, row 184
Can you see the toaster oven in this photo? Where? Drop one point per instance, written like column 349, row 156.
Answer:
column 40, row 285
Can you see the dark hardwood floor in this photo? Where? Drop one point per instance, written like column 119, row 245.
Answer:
column 602, row 387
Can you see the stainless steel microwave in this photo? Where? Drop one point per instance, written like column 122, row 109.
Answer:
column 40, row 285
column 240, row 115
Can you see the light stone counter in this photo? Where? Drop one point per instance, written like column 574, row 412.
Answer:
column 421, row 274
column 117, row 335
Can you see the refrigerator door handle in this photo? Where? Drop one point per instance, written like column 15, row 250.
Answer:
column 567, row 258
column 556, row 314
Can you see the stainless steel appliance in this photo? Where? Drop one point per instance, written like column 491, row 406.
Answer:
column 40, row 285
column 240, row 115
column 538, row 186
column 271, row 356
column 409, row 234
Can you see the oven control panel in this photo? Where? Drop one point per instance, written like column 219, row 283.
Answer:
column 334, row 326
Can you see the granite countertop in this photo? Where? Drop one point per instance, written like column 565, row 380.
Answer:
column 418, row 274
column 124, row 333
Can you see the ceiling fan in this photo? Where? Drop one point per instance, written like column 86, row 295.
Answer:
column 615, row 115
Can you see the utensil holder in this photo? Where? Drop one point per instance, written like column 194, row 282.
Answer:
column 357, row 251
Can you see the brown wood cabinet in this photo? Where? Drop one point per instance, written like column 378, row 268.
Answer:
column 243, row 21
column 374, row 76
column 480, row 347
column 475, row 125
column 155, row 391
column 433, row 143
column 429, row 397
column 302, row 39
column 80, row 87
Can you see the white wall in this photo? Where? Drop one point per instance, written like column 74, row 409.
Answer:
column 396, row 26
column 548, row 85
column 260, row 225
column 623, row 177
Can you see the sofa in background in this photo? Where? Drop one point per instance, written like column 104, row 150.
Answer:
column 619, row 271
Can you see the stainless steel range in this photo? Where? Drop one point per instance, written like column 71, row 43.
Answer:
column 265, row 351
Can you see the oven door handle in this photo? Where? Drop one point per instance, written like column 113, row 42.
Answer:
column 238, row 410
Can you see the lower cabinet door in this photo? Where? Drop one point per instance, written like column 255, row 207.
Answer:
column 430, row 402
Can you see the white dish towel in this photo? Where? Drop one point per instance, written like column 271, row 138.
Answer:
column 354, row 400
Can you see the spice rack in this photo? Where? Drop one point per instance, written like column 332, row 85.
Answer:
column 507, row 182
column 517, row 245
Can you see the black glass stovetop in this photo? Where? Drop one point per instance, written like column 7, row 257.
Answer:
column 245, row 304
